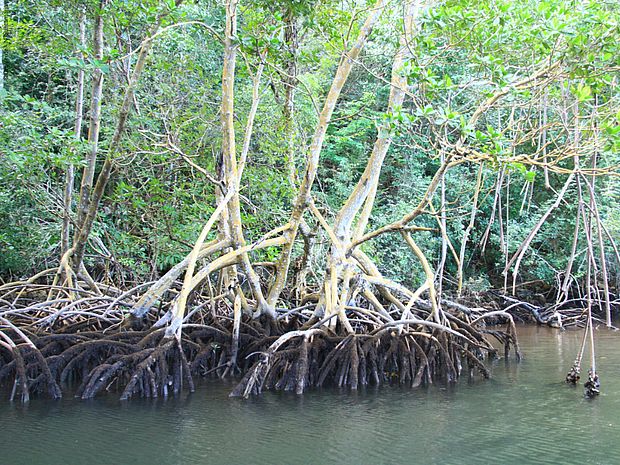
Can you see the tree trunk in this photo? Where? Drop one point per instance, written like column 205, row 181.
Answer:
column 303, row 198
column 88, row 174
column 290, row 86
column 70, row 174
column 340, row 268
column 88, row 216
column 229, row 154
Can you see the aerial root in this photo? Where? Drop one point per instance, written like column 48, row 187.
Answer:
column 573, row 375
column 152, row 371
column 31, row 373
column 474, row 361
column 271, row 362
column 93, row 347
column 138, row 363
column 592, row 387
column 161, row 371
column 76, row 361
column 45, row 378
column 507, row 338
column 101, row 376
column 563, row 314
column 21, row 378
column 152, row 375
column 30, row 368
column 146, row 364
column 313, row 358
column 207, row 357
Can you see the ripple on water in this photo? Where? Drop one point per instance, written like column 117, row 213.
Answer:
column 524, row 414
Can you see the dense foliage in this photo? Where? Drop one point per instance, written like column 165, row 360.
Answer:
column 158, row 197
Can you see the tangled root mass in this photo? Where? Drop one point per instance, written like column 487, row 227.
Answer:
column 94, row 347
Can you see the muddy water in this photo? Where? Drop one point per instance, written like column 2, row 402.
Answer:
column 524, row 414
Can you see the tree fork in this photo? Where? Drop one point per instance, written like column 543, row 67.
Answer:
column 303, row 196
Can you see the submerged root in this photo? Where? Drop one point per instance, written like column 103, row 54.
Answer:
column 573, row 375
column 87, row 341
column 158, row 371
column 313, row 358
column 151, row 372
column 592, row 387
column 21, row 379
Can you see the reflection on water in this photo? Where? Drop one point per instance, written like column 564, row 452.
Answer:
column 524, row 414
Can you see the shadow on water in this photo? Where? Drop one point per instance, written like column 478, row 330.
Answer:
column 523, row 414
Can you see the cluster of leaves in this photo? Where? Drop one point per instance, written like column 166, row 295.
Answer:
column 36, row 150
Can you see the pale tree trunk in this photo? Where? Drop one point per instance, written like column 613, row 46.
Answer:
column 444, row 232
column 597, row 217
column 291, row 41
column 88, row 174
column 469, row 228
column 340, row 268
column 88, row 216
column 290, row 86
column 303, row 198
column 543, row 140
column 229, row 155
column 179, row 307
column 70, row 174
column 249, row 125
column 230, row 257
column 223, row 226
column 69, row 265
column 565, row 287
column 230, row 274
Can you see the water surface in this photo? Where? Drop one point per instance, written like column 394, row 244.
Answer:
column 524, row 414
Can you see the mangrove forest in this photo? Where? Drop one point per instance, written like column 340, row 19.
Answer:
column 290, row 195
